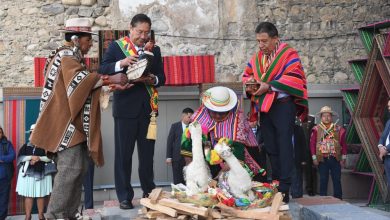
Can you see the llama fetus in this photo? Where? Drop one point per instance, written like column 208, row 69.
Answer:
column 237, row 178
column 197, row 173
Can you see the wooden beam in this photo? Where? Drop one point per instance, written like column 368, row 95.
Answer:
column 166, row 210
column 154, row 214
column 276, row 202
column 155, row 195
column 202, row 211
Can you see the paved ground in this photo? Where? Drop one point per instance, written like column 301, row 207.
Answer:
column 306, row 208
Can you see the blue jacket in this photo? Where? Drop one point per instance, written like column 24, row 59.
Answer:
column 385, row 133
column 9, row 158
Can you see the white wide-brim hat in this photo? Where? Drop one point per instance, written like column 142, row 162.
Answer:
column 219, row 99
column 78, row 25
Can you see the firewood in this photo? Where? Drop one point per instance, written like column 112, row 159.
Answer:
column 155, row 214
column 183, row 217
column 276, row 202
column 154, row 195
column 201, row 211
column 251, row 213
column 166, row 210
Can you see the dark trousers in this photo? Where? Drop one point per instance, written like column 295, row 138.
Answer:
column 127, row 132
column 261, row 159
column 177, row 170
column 333, row 166
column 5, row 187
column 311, row 178
column 88, row 185
column 387, row 170
column 297, row 182
column 277, row 128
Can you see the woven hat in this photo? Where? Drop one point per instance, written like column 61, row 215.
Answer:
column 219, row 99
column 78, row 25
column 326, row 109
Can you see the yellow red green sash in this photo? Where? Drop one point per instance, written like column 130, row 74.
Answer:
column 128, row 49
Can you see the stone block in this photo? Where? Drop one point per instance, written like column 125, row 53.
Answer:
column 101, row 21
column 98, row 12
column 71, row 2
column 88, row 2
column 72, row 11
column 53, row 9
column 85, row 12
column 104, row 3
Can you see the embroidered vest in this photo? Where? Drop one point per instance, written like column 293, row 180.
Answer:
column 331, row 146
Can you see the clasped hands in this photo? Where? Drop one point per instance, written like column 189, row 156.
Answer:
column 34, row 159
column 257, row 90
column 120, row 82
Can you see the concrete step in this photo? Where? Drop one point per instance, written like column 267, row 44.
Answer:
column 327, row 207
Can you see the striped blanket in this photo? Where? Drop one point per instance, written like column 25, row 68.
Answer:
column 21, row 108
column 285, row 73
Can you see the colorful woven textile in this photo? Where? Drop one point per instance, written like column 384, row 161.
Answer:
column 189, row 70
column 372, row 101
column 386, row 50
column 39, row 66
column 350, row 97
column 21, row 108
column 358, row 67
column 367, row 33
column 284, row 72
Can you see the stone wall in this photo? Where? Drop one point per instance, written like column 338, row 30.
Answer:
column 323, row 31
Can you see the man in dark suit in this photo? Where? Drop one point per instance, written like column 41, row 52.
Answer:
column 384, row 147
column 174, row 145
column 132, row 108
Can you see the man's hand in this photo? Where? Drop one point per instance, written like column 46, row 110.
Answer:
column 115, row 87
column 315, row 162
column 34, row 159
column 264, row 87
column 128, row 61
column 168, row 161
column 118, row 78
column 382, row 152
column 149, row 79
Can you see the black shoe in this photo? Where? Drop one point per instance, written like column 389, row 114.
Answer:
column 145, row 195
column 126, row 205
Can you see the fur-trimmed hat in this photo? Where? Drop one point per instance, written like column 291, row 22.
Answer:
column 78, row 25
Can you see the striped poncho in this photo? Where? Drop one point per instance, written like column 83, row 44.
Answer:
column 284, row 73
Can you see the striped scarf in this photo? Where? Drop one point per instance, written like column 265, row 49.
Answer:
column 285, row 73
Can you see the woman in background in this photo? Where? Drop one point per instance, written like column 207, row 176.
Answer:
column 32, row 181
